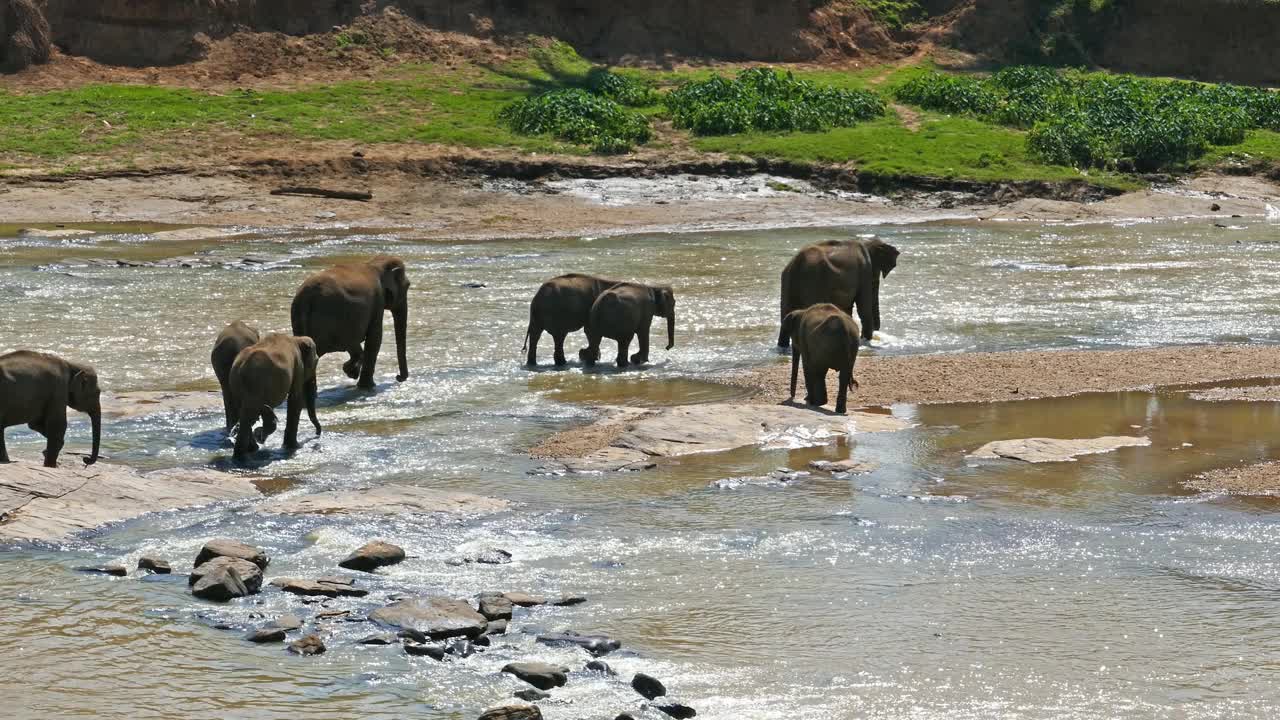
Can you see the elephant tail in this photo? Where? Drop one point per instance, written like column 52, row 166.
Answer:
column 528, row 332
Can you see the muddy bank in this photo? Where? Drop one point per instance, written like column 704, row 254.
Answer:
column 1003, row 376
column 38, row 503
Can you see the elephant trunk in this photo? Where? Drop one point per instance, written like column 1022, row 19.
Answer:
column 401, row 317
column 95, row 416
column 310, row 392
column 671, row 328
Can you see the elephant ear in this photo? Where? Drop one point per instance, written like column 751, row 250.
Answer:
column 82, row 387
column 884, row 257
column 395, row 282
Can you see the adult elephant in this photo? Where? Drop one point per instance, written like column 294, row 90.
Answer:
column 276, row 369
column 342, row 307
column 37, row 388
column 844, row 273
column 623, row 312
column 234, row 337
column 826, row 338
column 561, row 306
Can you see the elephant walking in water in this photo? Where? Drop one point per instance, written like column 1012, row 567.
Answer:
column 561, row 306
column 275, row 369
column 233, row 338
column 844, row 273
column 342, row 307
column 37, row 388
column 825, row 338
column 623, row 312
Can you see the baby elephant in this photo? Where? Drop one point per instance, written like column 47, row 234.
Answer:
column 37, row 389
column 826, row 337
column 624, row 311
column 233, row 338
column 276, row 368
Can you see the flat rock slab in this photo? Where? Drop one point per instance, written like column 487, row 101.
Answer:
column 1261, row 479
column 434, row 617
column 385, row 500
column 1042, row 450
column 513, row 712
column 540, row 675
column 143, row 403
column 716, row 427
column 604, row 460
column 373, row 555
column 1258, row 393
column 39, row 503
column 322, row 587
column 849, row 465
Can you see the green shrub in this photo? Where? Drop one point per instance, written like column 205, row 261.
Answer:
column 577, row 116
column 763, row 99
column 1101, row 120
column 623, row 89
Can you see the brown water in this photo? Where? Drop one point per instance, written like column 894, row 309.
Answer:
column 933, row 587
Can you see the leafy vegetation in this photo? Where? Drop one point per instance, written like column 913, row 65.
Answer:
column 578, row 116
column 895, row 13
column 1118, row 122
column 762, row 99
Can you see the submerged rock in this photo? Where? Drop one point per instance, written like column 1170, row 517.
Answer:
column 525, row 599
column 601, row 667
column 648, row 686
column 266, row 635
column 385, row 500
column 331, row 587
column 543, row 676
column 373, row 555
column 113, row 569
column 495, row 606
column 309, row 645
column 223, row 547
column 569, row 601
column 491, row 556
column 496, row 627
column 677, row 710
column 595, row 644
column 531, row 694
column 461, row 648
column 1039, row 450
column 380, row 639
column 287, row 622
column 154, row 564
column 513, row 712
column 435, row 617
column 435, row 652
column 843, row 466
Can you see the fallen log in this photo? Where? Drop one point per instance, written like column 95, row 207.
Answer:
column 324, row 193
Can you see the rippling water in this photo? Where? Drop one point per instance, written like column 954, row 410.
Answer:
column 934, row 587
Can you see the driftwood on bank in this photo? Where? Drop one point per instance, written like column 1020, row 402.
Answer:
column 324, row 193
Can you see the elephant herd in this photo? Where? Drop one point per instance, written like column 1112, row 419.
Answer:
column 342, row 309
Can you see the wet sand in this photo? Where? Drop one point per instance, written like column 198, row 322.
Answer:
column 1260, row 479
column 1004, row 376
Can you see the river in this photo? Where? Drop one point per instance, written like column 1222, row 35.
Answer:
column 933, row 587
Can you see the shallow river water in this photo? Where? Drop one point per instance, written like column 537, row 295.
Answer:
column 933, row 587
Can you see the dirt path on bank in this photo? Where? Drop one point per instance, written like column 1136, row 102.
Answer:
column 1024, row 375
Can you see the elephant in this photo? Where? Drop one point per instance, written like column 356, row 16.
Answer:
column 275, row 369
column 841, row 272
column 561, row 306
column 342, row 307
column 233, row 338
column 37, row 388
column 825, row 338
column 624, row 311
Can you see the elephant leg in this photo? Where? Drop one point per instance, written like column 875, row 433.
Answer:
column 245, row 443
column 535, row 334
column 4, row 452
column 642, row 355
column 54, row 428
column 867, row 313
column 815, row 382
column 372, row 344
column 559, row 339
column 591, row 353
column 624, row 344
column 795, row 367
column 269, row 425
column 293, row 412
column 846, row 375
column 351, row 368
column 229, row 407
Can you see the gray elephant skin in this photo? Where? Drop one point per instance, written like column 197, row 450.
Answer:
column 37, row 388
column 341, row 308
column 235, row 337
column 825, row 338
column 562, row 305
column 624, row 312
column 844, row 273
column 276, row 369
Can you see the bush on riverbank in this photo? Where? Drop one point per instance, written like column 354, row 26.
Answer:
column 578, row 116
column 1101, row 120
column 767, row 100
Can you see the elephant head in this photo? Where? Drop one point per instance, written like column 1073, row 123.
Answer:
column 884, row 257
column 83, row 395
column 664, row 302
column 310, row 359
column 395, row 290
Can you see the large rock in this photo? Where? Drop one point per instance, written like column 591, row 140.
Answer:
column 435, row 617
column 494, row 606
column 322, row 587
column 543, row 676
column 513, row 712
column 385, row 500
column 155, row 565
column 309, row 645
column 224, row 578
column 39, row 503
column 373, row 555
column 1040, row 450
column 648, row 686
column 223, row 547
